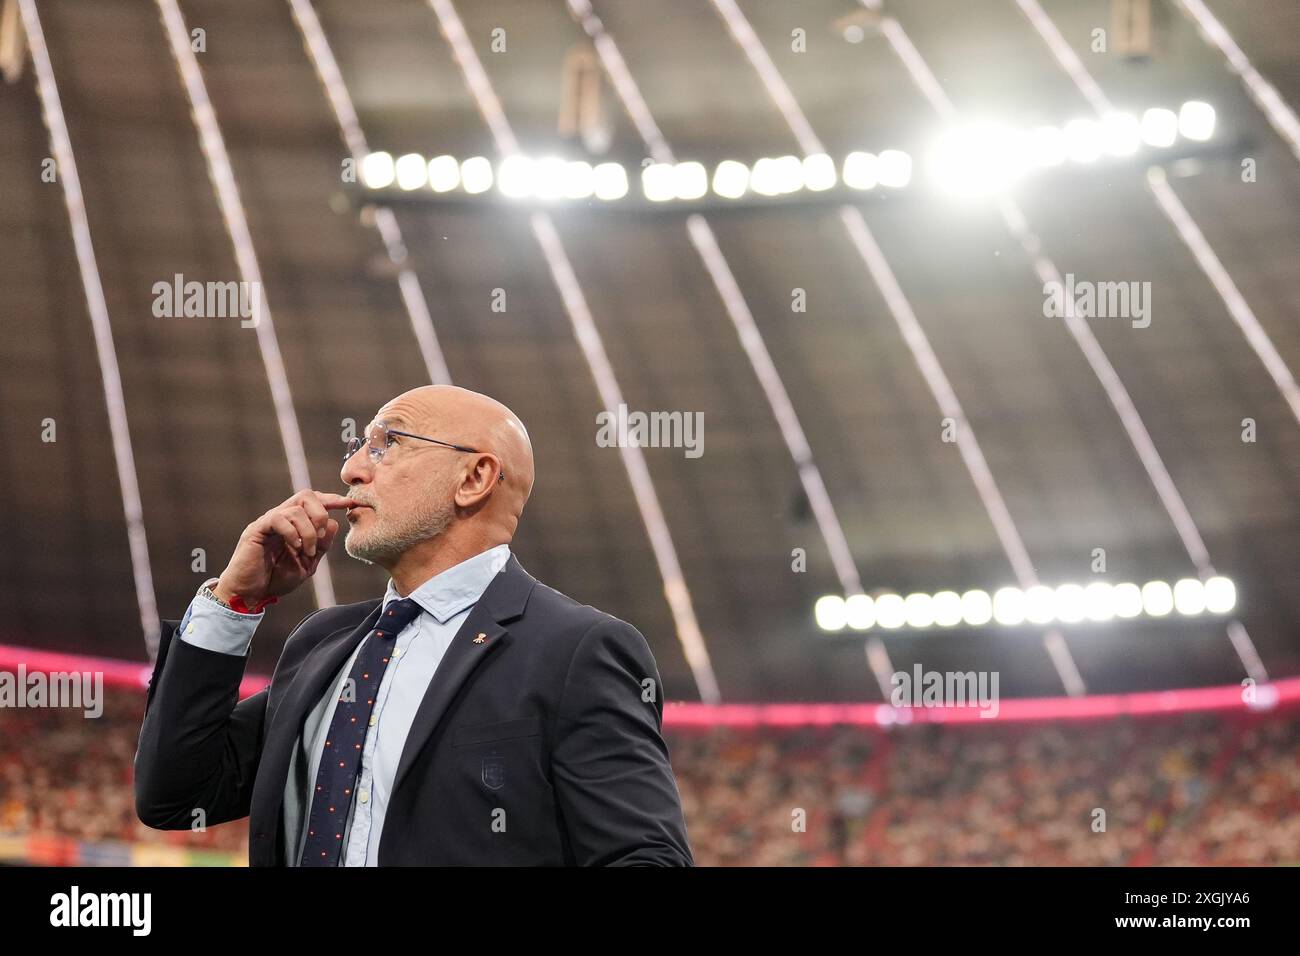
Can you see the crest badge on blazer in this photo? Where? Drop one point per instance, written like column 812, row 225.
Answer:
column 494, row 771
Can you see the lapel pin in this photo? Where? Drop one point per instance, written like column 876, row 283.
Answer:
column 481, row 639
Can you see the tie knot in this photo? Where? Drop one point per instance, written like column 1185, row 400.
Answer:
column 396, row 616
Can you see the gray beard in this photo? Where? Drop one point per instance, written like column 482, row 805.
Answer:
column 384, row 545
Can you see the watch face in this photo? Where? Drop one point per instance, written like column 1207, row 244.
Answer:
column 207, row 592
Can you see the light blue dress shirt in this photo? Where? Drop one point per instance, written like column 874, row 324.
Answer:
column 445, row 601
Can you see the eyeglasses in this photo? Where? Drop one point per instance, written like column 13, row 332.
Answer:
column 379, row 436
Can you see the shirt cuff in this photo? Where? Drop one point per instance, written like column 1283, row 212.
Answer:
column 214, row 628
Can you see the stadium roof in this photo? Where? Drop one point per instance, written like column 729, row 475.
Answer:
column 207, row 446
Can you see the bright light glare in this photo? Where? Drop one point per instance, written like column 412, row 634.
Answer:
column 548, row 178
column 1038, row 605
column 1039, row 608
column 690, row 180
column 919, row 610
column 763, row 178
column 611, row 181
column 890, row 612
column 830, row 613
column 1121, row 134
column 789, row 173
column 1128, row 600
column 1069, row 601
column 377, row 170
column 860, row 612
column 894, row 168
column 1082, row 140
column 579, row 180
column 1009, row 606
column 1220, row 595
column 775, row 177
column 476, row 174
column 412, row 171
column 976, row 608
column 1196, row 120
column 972, row 159
column 947, row 608
column 1157, row 598
column 860, row 170
column 1159, row 127
column 730, row 179
column 444, row 174
column 1099, row 601
column 818, row 172
column 978, row 159
column 1047, row 146
column 1189, row 596
column 517, row 177
column 657, row 182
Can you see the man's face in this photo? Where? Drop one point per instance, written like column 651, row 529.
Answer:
column 403, row 499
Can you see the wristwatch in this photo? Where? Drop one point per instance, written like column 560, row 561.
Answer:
column 237, row 603
column 206, row 591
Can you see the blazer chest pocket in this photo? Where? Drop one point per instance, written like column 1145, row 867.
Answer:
column 468, row 734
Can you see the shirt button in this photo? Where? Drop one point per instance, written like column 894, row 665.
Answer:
column 373, row 720
column 363, row 796
column 396, row 654
column 190, row 629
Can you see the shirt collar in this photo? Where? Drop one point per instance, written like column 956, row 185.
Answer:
column 447, row 594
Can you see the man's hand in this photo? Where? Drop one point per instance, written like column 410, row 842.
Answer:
column 282, row 549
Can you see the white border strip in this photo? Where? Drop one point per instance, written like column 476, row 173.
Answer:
column 593, row 349
column 114, row 399
column 232, row 211
column 926, row 360
column 336, row 90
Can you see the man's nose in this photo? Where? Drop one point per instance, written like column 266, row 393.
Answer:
column 356, row 470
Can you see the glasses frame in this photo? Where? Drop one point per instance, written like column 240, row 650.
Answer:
column 377, row 454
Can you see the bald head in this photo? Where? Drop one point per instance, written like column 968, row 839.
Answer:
column 458, row 415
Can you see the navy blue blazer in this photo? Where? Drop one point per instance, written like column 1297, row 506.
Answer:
column 538, row 741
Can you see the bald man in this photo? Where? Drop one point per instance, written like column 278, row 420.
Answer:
column 472, row 716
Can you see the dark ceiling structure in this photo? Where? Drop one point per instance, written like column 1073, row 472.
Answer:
column 917, row 512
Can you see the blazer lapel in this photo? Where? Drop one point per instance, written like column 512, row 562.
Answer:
column 480, row 635
column 304, row 691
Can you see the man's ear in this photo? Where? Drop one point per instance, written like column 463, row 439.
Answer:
column 480, row 481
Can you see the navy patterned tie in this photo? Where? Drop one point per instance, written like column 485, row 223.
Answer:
column 340, row 760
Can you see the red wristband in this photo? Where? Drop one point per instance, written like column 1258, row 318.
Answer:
column 237, row 604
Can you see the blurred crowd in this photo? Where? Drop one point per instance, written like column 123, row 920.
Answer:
column 62, row 774
column 1178, row 790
